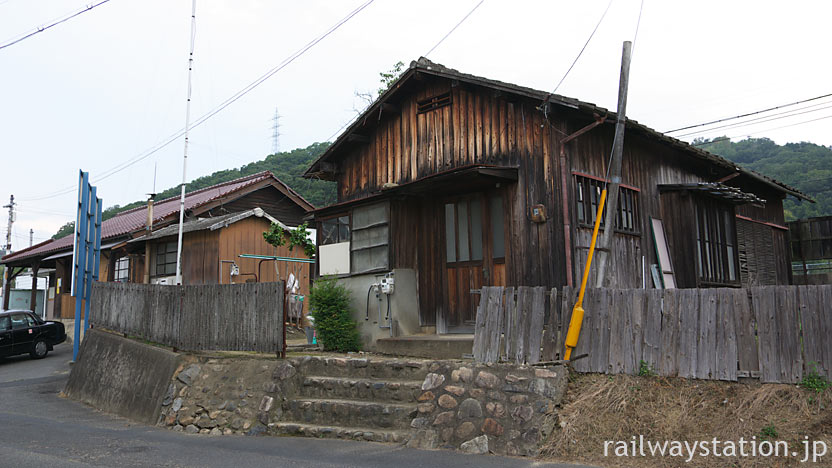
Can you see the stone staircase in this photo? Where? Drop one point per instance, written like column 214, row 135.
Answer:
column 360, row 399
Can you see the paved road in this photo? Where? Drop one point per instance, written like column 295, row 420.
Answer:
column 38, row 428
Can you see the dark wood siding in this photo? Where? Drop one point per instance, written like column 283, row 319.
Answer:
column 484, row 127
column 270, row 200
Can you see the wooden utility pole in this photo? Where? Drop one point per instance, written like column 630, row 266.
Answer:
column 604, row 246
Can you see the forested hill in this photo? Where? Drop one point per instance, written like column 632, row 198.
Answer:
column 287, row 166
column 804, row 166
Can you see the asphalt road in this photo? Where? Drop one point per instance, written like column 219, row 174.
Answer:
column 38, row 428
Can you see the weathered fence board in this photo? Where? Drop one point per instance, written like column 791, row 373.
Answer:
column 553, row 328
column 652, row 338
column 238, row 317
column 745, row 327
column 535, row 335
column 725, row 359
column 776, row 333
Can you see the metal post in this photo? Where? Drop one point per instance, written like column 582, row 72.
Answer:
column 79, row 257
column 615, row 167
column 93, row 246
column 185, row 156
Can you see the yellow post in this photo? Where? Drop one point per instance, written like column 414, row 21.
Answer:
column 578, row 310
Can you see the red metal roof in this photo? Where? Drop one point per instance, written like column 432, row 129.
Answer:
column 131, row 220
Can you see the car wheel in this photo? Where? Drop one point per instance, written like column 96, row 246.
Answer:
column 39, row 350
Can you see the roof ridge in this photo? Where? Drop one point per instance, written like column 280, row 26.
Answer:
column 31, row 247
column 443, row 71
column 203, row 189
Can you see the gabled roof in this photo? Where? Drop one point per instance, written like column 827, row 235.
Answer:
column 134, row 219
column 425, row 66
column 212, row 224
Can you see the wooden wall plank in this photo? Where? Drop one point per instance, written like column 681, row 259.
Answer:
column 524, row 302
column 620, row 335
column 670, row 333
column 810, row 300
column 763, row 301
column 791, row 359
column 537, row 311
column 725, row 360
column 550, row 338
column 825, row 318
column 495, row 323
column 706, row 349
column 687, row 349
column 481, row 334
column 509, row 324
column 652, row 326
column 746, row 330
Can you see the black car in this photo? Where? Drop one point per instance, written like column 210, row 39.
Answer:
column 23, row 332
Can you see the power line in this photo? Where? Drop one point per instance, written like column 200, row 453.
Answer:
column 717, row 140
column 41, row 29
column 759, row 120
column 454, row 28
column 748, row 114
column 582, row 51
column 159, row 146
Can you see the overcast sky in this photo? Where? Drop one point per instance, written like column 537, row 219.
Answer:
column 108, row 85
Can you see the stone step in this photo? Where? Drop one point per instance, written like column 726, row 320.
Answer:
column 378, row 390
column 341, row 432
column 349, row 413
column 393, row 369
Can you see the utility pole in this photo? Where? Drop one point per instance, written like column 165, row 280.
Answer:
column 31, row 236
column 605, row 244
column 6, row 272
column 10, row 206
column 276, row 132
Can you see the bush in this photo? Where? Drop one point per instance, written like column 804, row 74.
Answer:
column 329, row 305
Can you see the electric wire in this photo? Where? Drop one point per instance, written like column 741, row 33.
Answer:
column 581, row 51
column 355, row 117
column 748, row 114
column 175, row 136
column 41, row 29
column 760, row 120
column 454, row 28
column 728, row 138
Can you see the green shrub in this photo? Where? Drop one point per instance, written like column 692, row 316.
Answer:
column 815, row 381
column 644, row 369
column 329, row 305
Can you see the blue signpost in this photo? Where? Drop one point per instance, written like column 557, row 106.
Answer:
column 86, row 254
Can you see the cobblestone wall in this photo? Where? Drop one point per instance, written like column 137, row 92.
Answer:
column 502, row 409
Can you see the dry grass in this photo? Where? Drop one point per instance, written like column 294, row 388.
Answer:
column 598, row 408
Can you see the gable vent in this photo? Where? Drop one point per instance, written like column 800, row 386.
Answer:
column 434, row 103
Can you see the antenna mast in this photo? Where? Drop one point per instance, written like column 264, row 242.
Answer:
column 185, row 156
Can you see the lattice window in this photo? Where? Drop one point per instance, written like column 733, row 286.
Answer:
column 588, row 195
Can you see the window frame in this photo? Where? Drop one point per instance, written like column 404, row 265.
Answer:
column 322, row 240
column 369, row 226
column 586, row 207
column 121, row 265
column 467, row 201
column 157, row 253
column 715, row 239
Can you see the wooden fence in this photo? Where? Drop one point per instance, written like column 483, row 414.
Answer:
column 233, row 317
column 776, row 333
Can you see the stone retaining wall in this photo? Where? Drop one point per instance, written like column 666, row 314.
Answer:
column 503, row 409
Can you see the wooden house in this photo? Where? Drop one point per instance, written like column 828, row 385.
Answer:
column 139, row 245
column 466, row 182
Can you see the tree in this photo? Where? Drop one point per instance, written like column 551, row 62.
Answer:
column 65, row 230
